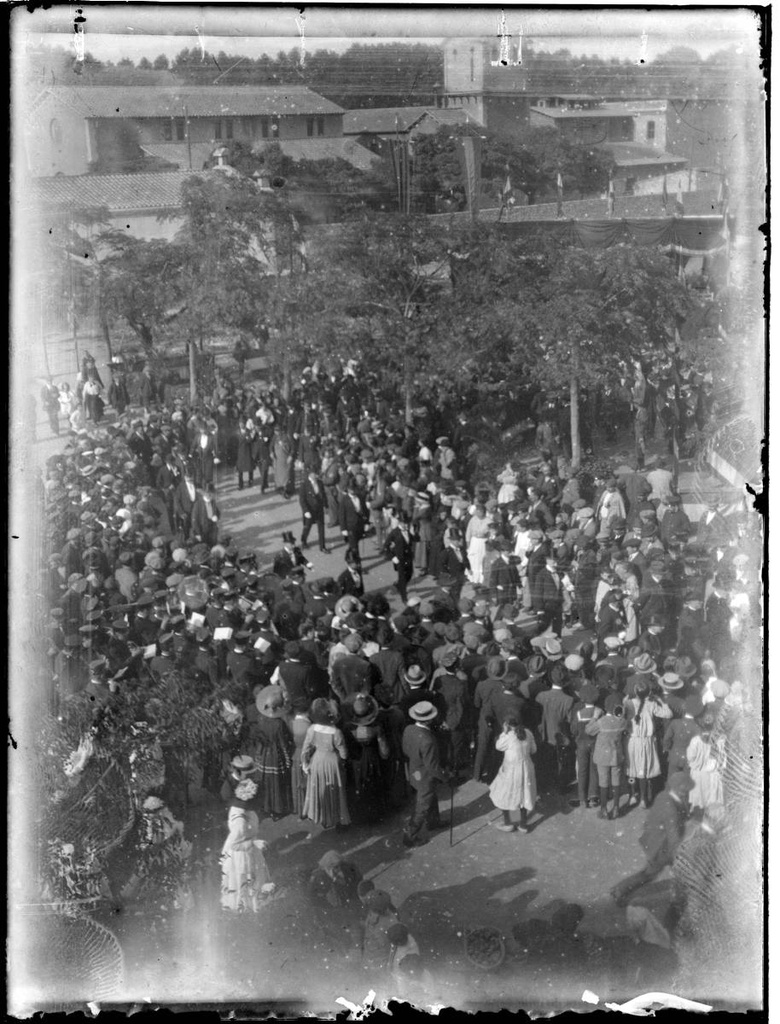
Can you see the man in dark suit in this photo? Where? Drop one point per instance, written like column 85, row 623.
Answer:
column 400, row 547
column 504, row 579
column 652, row 593
column 353, row 518
column 205, row 517
column 555, row 728
column 547, row 596
column 289, row 557
column 184, row 497
column 295, row 676
column 350, row 582
column 313, row 501
column 712, row 530
column 352, row 673
column 391, row 668
column 421, row 750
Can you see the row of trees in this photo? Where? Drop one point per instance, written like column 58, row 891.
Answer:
column 460, row 315
column 391, row 74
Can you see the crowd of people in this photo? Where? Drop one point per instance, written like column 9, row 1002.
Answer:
column 580, row 641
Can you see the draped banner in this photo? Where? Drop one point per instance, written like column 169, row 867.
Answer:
column 689, row 236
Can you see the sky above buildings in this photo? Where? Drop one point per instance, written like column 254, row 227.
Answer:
column 111, row 32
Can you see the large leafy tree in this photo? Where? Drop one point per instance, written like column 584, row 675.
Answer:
column 598, row 311
column 380, row 278
column 140, row 283
column 531, row 158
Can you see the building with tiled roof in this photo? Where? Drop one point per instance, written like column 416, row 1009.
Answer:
column 117, row 193
column 145, row 205
column 77, row 129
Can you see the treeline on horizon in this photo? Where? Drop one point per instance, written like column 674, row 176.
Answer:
column 399, row 74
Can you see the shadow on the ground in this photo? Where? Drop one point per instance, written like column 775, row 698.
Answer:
column 439, row 917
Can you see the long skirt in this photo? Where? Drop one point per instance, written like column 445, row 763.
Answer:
column 643, row 762
column 370, row 796
column 514, row 786
column 244, row 872
column 282, row 463
column 273, row 783
column 298, row 781
column 476, row 555
column 326, row 799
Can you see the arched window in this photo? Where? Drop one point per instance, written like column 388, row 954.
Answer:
column 650, row 131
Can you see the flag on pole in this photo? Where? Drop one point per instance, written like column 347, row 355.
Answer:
column 679, row 209
column 723, row 194
column 469, row 152
column 559, row 186
column 664, row 195
column 611, row 195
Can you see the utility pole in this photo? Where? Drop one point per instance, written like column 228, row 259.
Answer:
column 187, row 133
column 574, row 405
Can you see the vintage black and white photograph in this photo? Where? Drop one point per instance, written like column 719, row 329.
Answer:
column 387, row 508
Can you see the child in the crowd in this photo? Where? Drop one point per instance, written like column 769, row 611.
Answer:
column 515, row 784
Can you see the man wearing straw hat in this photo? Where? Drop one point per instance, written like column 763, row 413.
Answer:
column 421, row 750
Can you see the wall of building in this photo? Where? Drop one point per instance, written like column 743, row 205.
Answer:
column 55, row 140
column 648, row 182
column 506, row 114
column 474, row 105
column 656, row 136
column 464, row 61
column 207, row 129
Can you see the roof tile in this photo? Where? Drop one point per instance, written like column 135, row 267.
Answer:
column 139, row 101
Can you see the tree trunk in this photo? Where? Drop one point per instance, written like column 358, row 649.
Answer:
column 106, row 335
column 408, row 388
column 193, row 371
column 286, row 374
column 574, row 402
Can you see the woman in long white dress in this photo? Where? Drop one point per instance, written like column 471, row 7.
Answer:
column 507, row 492
column 476, row 539
column 514, row 787
column 244, row 870
column 704, row 758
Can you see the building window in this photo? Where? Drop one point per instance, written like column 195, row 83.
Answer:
column 310, row 126
column 320, row 125
column 650, row 131
column 217, row 129
column 274, row 126
column 264, row 127
column 229, row 128
column 167, row 130
column 55, row 131
column 471, row 63
column 180, row 132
